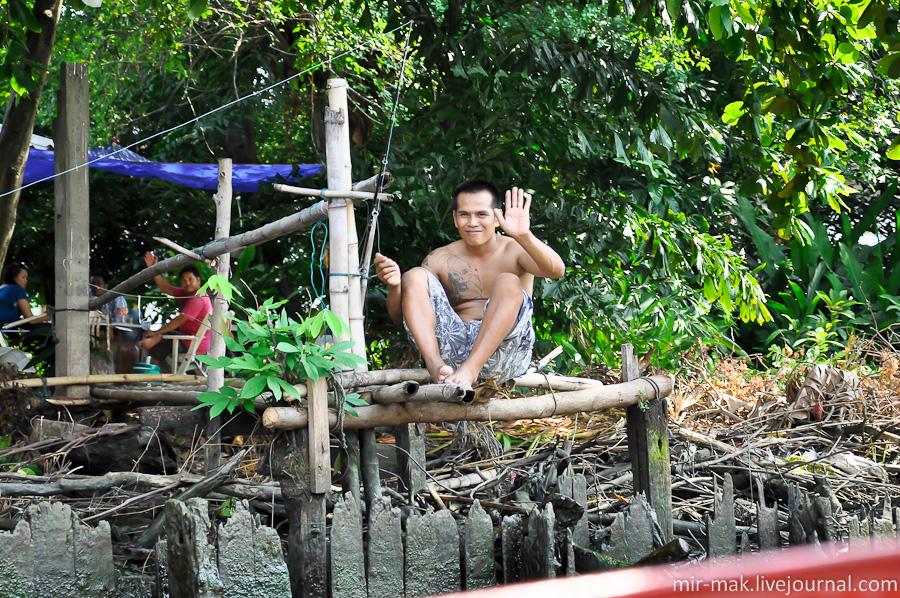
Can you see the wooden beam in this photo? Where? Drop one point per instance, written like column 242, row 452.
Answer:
column 72, row 237
column 532, row 407
column 648, row 447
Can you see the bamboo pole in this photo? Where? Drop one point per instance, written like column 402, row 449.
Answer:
column 329, row 194
column 536, row 407
column 386, row 377
column 99, row 379
column 397, row 393
column 297, row 221
column 216, row 376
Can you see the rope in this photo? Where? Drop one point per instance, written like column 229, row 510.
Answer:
column 211, row 112
column 653, row 384
column 320, row 292
column 340, row 401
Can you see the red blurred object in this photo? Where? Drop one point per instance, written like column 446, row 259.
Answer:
column 831, row 570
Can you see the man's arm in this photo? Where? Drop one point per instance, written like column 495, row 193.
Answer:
column 539, row 258
column 173, row 324
column 389, row 273
column 163, row 284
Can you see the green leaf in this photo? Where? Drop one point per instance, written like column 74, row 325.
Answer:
column 254, row 387
column 288, row 348
column 289, row 388
column 893, row 151
column 733, row 112
column 889, row 65
column 196, row 9
column 274, row 386
column 334, row 323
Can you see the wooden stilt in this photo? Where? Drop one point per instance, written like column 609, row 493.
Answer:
column 648, row 447
column 216, row 378
column 307, row 546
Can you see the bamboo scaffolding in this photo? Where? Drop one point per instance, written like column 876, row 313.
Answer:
column 397, row 393
column 99, row 379
column 289, row 224
column 542, row 406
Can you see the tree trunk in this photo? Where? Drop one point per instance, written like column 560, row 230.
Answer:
column 15, row 138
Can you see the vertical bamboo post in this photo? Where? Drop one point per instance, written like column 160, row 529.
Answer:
column 344, row 286
column 72, row 233
column 216, row 377
column 648, row 448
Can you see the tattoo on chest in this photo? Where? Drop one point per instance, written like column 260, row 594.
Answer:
column 463, row 281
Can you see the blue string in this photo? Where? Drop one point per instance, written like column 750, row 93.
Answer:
column 319, row 291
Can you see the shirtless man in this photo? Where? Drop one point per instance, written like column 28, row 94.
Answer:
column 468, row 307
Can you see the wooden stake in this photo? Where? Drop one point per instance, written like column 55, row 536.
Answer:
column 648, row 447
column 319, row 453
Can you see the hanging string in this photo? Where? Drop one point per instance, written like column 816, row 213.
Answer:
column 372, row 224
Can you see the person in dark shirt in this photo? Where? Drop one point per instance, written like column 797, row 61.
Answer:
column 14, row 304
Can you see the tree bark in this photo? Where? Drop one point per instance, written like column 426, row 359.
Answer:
column 15, row 137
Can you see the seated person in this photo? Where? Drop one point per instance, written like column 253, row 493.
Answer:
column 117, row 309
column 468, row 307
column 14, row 304
column 193, row 310
column 123, row 350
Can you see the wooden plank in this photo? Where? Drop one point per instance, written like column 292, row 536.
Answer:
column 385, row 551
column 251, row 564
column 479, row 549
column 319, row 448
column 410, row 439
column 648, row 448
column 71, row 133
column 348, row 563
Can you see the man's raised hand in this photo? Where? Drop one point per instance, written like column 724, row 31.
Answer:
column 516, row 221
column 387, row 270
column 150, row 259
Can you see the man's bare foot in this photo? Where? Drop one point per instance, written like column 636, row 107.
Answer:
column 462, row 377
column 439, row 372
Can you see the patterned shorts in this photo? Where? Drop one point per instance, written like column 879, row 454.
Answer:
column 456, row 338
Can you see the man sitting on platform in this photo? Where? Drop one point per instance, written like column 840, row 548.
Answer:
column 468, row 307
column 193, row 310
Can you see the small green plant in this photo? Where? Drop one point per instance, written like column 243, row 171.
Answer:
column 272, row 351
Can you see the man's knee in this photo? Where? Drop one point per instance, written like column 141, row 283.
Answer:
column 506, row 285
column 415, row 279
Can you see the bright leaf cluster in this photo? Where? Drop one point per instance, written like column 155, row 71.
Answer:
column 272, row 351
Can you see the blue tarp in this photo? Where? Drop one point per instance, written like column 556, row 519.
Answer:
column 244, row 177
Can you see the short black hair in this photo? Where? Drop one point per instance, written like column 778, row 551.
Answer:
column 189, row 269
column 476, row 186
column 12, row 270
column 98, row 274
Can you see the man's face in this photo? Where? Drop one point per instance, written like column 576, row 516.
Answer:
column 98, row 285
column 474, row 217
column 190, row 283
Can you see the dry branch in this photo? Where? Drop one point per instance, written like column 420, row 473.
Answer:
column 100, row 378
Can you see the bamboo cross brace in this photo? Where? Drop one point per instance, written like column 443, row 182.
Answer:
column 325, row 193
